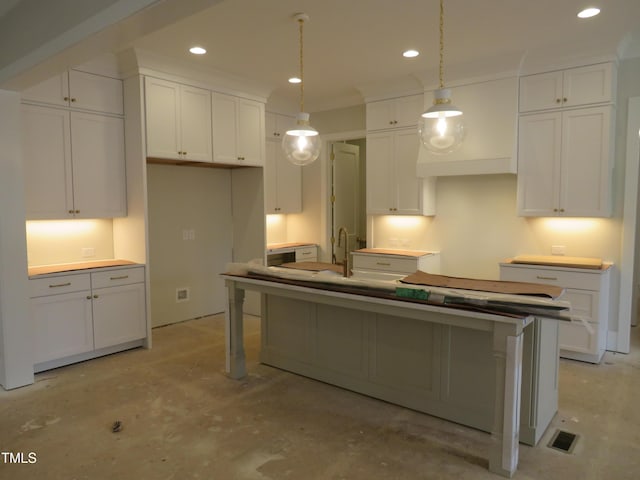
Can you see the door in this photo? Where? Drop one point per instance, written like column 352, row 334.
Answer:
column 346, row 193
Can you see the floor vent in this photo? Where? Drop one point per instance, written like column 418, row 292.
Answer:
column 563, row 441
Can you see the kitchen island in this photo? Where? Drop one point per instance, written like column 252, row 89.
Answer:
column 497, row 373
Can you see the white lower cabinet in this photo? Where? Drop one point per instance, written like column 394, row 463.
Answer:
column 85, row 315
column 584, row 338
column 387, row 266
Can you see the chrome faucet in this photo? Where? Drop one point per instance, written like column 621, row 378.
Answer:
column 345, row 260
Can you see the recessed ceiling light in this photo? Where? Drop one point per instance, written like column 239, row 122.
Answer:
column 410, row 53
column 294, row 80
column 589, row 12
column 197, row 50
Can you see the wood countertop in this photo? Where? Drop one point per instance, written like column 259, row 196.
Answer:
column 71, row 267
column 391, row 251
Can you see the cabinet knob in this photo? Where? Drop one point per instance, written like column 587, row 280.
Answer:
column 73, row 99
column 95, row 296
column 390, row 122
column 77, row 211
column 66, row 99
column 564, row 99
column 88, row 297
column 240, row 158
column 562, row 209
column 558, row 100
column 71, row 212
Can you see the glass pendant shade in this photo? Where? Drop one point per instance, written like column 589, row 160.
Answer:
column 441, row 127
column 301, row 144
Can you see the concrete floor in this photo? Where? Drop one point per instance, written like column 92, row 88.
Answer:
column 182, row 418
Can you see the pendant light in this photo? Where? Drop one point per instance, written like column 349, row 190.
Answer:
column 301, row 144
column 441, row 126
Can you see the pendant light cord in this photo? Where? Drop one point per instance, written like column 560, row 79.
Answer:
column 441, row 44
column 301, row 24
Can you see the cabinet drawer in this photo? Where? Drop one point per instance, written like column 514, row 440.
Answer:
column 560, row 278
column 385, row 263
column 39, row 287
column 114, row 278
column 306, row 254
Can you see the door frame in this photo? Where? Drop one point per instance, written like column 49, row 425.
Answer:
column 325, row 201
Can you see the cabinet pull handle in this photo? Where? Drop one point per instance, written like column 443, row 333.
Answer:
column 56, row 285
column 542, row 277
column 306, row 253
column 121, row 277
column 385, row 264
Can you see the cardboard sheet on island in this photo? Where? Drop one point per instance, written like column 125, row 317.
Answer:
column 313, row 266
column 495, row 286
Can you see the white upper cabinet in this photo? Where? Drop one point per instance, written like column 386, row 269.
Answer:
column 282, row 182
column 565, row 163
column 238, row 130
column 276, row 125
column 79, row 90
column 74, row 164
column 394, row 113
column 573, row 87
column 178, row 119
column 393, row 188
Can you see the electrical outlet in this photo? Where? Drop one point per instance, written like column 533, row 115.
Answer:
column 88, row 252
column 558, row 249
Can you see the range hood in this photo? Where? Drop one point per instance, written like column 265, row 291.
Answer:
column 490, row 145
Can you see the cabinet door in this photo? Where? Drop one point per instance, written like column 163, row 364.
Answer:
column 380, row 174
column 99, row 183
column 380, row 115
column 162, row 117
column 588, row 85
column 282, row 182
column 586, row 162
column 54, row 91
column 408, row 110
column 276, row 125
column 195, row 124
column 119, row 315
column 62, row 325
column 540, row 92
column 46, row 147
column 408, row 188
column 95, row 92
column 224, row 128
column 539, row 152
column 250, row 132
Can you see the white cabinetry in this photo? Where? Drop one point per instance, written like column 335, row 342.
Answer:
column 394, row 113
column 80, row 316
column 80, row 90
column 238, row 130
column 588, row 292
column 565, row 155
column 565, row 163
column 392, row 184
column 388, row 266
column 282, row 181
column 178, row 120
column 74, row 164
column 568, row 88
column 276, row 125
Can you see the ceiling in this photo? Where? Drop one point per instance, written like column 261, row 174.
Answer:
column 349, row 44
column 352, row 46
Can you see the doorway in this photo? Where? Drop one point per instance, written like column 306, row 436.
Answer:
column 347, row 196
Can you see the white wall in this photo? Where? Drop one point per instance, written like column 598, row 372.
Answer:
column 16, row 354
column 188, row 199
